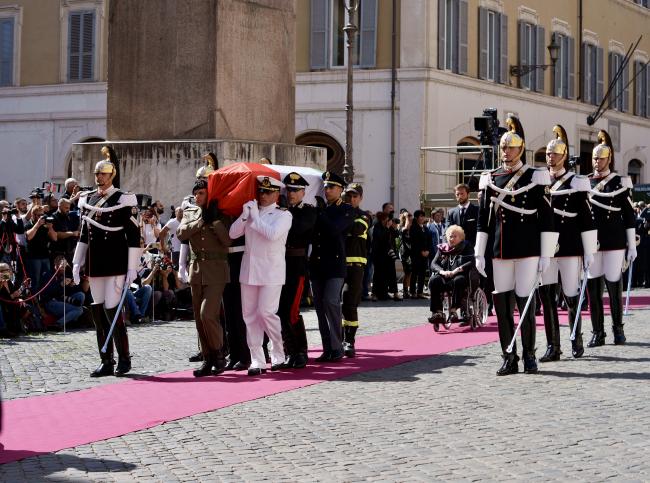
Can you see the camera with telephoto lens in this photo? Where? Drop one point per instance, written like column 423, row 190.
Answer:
column 48, row 218
column 162, row 262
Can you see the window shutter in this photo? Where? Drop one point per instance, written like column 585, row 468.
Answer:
column 504, row 68
column 571, row 53
column 600, row 84
column 521, row 58
column 585, row 74
column 626, row 89
column 368, row 34
column 442, row 17
column 462, row 37
column 612, row 73
column 639, row 80
column 74, row 46
column 483, row 43
column 87, row 45
column 456, row 39
column 319, row 34
column 557, row 71
column 540, row 38
column 7, row 52
column 647, row 90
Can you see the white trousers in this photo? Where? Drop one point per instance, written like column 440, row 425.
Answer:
column 519, row 274
column 259, row 305
column 107, row 290
column 569, row 268
column 608, row 263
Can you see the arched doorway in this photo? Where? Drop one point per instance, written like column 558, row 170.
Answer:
column 69, row 157
column 634, row 168
column 335, row 152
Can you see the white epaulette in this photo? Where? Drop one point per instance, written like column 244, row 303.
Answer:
column 626, row 182
column 485, row 180
column 580, row 183
column 128, row 199
column 541, row 176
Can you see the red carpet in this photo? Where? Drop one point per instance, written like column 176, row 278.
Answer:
column 44, row 424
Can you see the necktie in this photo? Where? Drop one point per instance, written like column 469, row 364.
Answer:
column 462, row 215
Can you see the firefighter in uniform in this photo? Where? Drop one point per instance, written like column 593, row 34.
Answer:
column 611, row 202
column 207, row 233
column 109, row 248
column 300, row 234
column 516, row 208
column 356, row 258
column 263, row 271
column 577, row 242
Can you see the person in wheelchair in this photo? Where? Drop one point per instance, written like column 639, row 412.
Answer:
column 450, row 273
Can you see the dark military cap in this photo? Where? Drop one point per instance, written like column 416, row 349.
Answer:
column 354, row 188
column 333, row 179
column 294, row 180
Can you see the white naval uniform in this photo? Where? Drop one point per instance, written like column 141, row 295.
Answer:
column 262, row 275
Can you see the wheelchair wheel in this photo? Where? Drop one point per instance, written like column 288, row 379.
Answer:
column 480, row 309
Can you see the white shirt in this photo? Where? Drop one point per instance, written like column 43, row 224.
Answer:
column 266, row 238
column 172, row 225
column 148, row 233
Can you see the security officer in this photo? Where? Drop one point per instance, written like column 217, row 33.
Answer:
column 205, row 229
column 109, row 248
column 356, row 258
column 516, row 208
column 327, row 265
column 577, row 242
column 611, row 201
column 298, row 240
column 263, row 271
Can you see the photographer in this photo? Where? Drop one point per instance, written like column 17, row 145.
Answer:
column 9, row 313
column 67, row 231
column 39, row 233
column 149, row 227
column 10, row 226
column 58, row 301
column 170, row 230
column 164, row 280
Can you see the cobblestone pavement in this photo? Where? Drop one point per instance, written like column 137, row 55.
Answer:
column 442, row 418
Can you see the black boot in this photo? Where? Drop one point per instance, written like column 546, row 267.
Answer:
column 121, row 343
column 551, row 323
column 349, row 333
column 577, row 347
column 595, row 293
column 509, row 365
column 102, row 326
column 528, row 335
column 504, row 308
column 615, row 291
column 206, row 368
column 218, row 362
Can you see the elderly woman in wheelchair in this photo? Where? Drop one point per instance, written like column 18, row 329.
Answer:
column 450, row 273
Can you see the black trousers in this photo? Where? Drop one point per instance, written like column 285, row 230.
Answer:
column 294, row 335
column 418, row 274
column 439, row 284
column 235, row 326
column 352, row 294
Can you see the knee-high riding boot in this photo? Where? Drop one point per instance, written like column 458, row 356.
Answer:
column 551, row 323
column 615, row 291
column 577, row 348
column 528, row 335
column 102, row 326
column 595, row 292
column 504, row 307
column 121, row 342
column 349, row 333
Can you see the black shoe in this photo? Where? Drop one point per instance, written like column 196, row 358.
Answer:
column 299, row 360
column 324, row 357
column 198, row 357
column 577, row 349
column 230, row 365
column 619, row 335
column 256, row 371
column 279, row 366
column 551, row 354
column 218, row 366
column 530, row 364
column 240, row 366
column 336, row 355
column 123, row 366
column 204, row 370
column 105, row 368
column 597, row 339
column 290, row 361
column 509, row 366
column 348, row 350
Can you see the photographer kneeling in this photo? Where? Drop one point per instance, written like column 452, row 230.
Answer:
column 40, row 233
column 450, row 268
column 62, row 298
column 164, row 280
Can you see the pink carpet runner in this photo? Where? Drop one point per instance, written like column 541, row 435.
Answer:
column 49, row 423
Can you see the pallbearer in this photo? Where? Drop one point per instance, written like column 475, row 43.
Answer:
column 578, row 240
column 611, row 201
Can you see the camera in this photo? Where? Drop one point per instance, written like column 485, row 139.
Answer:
column 86, row 188
column 489, row 131
column 37, row 193
column 573, row 161
column 47, row 218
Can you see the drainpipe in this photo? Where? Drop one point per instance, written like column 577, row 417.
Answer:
column 580, row 59
column 393, row 81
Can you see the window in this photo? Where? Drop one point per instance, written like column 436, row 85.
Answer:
column 493, row 46
column 641, row 89
column 6, row 52
column 452, row 35
column 634, row 168
column 564, row 76
column 618, row 98
column 328, row 40
column 592, row 80
column 81, row 46
column 532, row 50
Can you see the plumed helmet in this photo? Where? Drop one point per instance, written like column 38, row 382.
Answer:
column 559, row 145
column 514, row 137
column 605, row 148
column 209, row 167
column 108, row 164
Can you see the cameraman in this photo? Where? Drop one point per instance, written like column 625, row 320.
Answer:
column 150, row 227
column 164, row 280
column 53, row 298
column 67, row 231
column 39, row 233
column 10, row 226
column 9, row 313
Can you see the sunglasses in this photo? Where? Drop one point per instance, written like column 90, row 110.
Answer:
column 294, row 190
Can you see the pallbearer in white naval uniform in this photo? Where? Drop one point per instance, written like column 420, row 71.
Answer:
column 263, row 271
column 578, row 238
column 109, row 247
column 515, row 206
column 611, row 201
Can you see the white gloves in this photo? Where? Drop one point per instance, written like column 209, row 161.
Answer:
column 78, row 260
column 255, row 212
column 544, row 263
column 480, row 264
column 631, row 244
column 588, row 260
column 76, row 277
column 479, row 251
column 131, row 275
column 182, row 263
column 246, row 212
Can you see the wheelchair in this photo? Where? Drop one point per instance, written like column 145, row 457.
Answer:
column 473, row 306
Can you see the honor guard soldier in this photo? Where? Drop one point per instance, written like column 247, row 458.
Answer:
column 207, row 233
column 327, row 265
column 611, row 202
column 109, row 248
column 263, row 271
column 578, row 240
column 515, row 207
column 356, row 258
column 298, row 240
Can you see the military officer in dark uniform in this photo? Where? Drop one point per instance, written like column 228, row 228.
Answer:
column 516, row 208
column 611, row 202
column 356, row 258
column 109, row 248
column 327, row 265
column 576, row 245
column 298, row 240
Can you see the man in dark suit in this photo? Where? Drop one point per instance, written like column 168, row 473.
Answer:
column 465, row 214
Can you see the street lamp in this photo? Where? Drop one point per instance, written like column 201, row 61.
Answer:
column 553, row 51
column 350, row 30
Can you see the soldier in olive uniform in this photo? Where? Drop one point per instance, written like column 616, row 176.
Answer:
column 208, row 238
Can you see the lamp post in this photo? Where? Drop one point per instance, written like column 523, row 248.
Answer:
column 553, row 52
column 350, row 30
